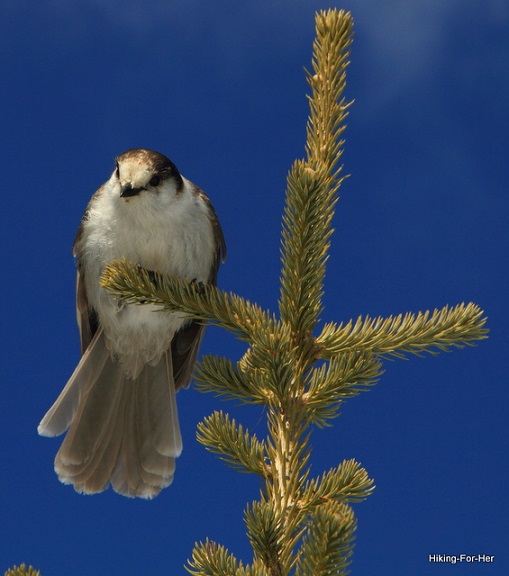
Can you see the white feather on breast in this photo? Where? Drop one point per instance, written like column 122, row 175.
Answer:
column 167, row 233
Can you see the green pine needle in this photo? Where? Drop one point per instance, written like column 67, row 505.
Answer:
column 22, row 570
column 328, row 544
column 237, row 447
column 406, row 333
column 300, row 525
column 348, row 482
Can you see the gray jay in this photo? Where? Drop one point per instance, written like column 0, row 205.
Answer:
column 119, row 406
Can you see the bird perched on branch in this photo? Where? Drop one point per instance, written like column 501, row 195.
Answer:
column 119, row 406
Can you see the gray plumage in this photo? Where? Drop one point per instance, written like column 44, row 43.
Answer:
column 119, row 406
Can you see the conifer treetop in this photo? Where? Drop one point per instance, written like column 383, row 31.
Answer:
column 299, row 372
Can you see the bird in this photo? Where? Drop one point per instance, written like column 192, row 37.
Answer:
column 119, row 406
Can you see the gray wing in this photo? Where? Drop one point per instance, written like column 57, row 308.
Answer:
column 218, row 237
column 186, row 343
column 88, row 321
column 184, row 351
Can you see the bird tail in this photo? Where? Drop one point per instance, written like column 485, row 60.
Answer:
column 120, row 431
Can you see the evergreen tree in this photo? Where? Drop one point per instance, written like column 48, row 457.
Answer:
column 300, row 372
column 297, row 371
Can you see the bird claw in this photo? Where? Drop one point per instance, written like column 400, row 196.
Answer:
column 150, row 273
column 200, row 286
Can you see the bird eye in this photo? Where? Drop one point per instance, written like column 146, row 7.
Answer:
column 155, row 181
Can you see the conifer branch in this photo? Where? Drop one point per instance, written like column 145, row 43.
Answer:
column 328, row 544
column 135, row 285
column 266, row 532
column 212, row 559
column 313, row 183
column 22, row 570
column 238, row 448
column 219, row 376
column 343, row 377
column 406, row 333
column 348, row 482
column 299, row 526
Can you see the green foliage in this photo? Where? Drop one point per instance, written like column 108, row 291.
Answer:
column 238, row 448
column 211, row 559
column 406, row 333
column 348, row 482
column 327, row 546
column 22, row 570
column 300, row 525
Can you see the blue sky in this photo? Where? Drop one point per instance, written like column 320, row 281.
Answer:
column 422, row 222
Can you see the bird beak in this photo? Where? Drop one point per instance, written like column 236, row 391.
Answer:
column 127, row 190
